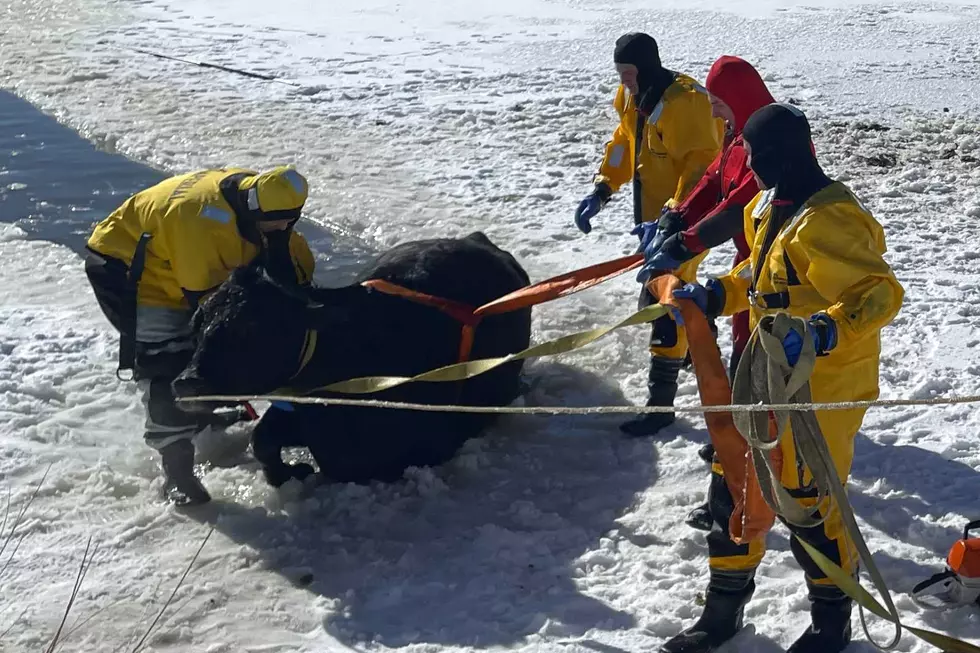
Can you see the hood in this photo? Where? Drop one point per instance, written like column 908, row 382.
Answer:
column 782, row 154
column 642, row 51
column 736, row 83
column 278, row 194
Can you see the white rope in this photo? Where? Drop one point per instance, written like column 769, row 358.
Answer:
column 587, row 410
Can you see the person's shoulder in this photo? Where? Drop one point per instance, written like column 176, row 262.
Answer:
column 685, row 86
column 837, row 209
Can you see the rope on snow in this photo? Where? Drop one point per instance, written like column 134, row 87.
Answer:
column 587, row 410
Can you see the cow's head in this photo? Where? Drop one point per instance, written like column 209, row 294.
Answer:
column 250, row 336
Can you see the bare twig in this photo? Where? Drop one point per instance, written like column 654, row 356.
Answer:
column 20, row 517
column 173, row 615
column 82, row 570
column 14, row 623
column 6, row 513
column 149, row 630
column 13, row 552
column 205, row 64
column 136, row 628
column 75, row 627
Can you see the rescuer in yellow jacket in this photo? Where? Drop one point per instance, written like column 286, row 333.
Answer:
column 816, row 253
column 159, row 254
column 665, row 141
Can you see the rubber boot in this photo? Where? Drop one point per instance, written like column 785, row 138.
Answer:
column 830, row 628
column 707, row 453
column 181, row 487
column 722, row 616
column 699, row 518
column 662, row 385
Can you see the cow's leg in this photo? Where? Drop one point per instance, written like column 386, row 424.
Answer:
column 376, row 444
column 362, row 445
column 277, row 429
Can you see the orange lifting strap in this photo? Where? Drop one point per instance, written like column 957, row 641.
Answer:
column 752, row 517
column 539, row 293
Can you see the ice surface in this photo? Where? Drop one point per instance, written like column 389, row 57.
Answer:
column 420, row 118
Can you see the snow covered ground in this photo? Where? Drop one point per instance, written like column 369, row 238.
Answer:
column 419, row 118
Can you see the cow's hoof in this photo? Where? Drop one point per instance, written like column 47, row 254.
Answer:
column 280, row 475
column 647, row 424
column 301, row 472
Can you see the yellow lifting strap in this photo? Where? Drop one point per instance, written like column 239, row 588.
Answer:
column 462, row 371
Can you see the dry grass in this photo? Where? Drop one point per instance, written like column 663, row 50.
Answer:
column 183, row 577
column 141, row 636
column 82, row 570
column 9, row 537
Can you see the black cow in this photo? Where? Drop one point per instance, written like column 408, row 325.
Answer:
column 251, row 333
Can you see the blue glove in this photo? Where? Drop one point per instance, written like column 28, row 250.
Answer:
column 696, row 293
column 822, row 329
column 647, row 232
column 590, row 207
column 670, row 255
column 669, row 223
column 587, row 209
column 710, row 298
column 283, row 405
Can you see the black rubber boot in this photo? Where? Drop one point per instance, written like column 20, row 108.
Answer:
column 722, row 616
column 707, row 453
column 699, row 518
column 830, row 630
column 662, row 385
column 181, row 487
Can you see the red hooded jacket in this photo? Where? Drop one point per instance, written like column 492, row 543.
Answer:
column 713, row 210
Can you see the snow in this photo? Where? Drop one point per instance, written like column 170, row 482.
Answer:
column 416, row 119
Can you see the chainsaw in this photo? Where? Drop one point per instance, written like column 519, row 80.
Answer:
column 959, row 584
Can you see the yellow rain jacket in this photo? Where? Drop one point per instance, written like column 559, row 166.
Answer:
column 680, row 140
column 827, row 257
column 195, row 243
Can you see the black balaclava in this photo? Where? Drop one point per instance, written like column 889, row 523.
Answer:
column 277, row 259
column 782, row 155
column 641, row 50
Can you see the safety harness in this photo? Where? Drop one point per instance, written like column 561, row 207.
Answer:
column 641, row 121
column 127, row 337
column 470, row 317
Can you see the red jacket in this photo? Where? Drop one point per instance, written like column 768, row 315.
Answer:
column 713, row 209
